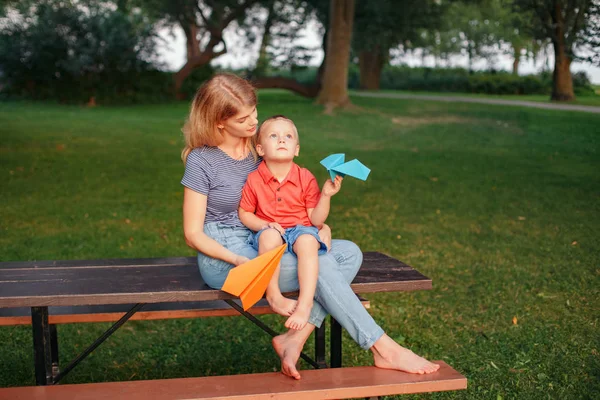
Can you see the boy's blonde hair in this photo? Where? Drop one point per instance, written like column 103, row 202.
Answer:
column 273, row 118
column 218, row 99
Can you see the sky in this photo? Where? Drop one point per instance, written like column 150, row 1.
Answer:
column 239, row 55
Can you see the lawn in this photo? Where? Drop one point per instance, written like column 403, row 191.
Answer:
column 500, row 206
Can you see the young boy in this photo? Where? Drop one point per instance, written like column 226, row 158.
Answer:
column 281, row 203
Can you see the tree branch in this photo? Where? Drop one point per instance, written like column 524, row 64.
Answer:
column 237, row 12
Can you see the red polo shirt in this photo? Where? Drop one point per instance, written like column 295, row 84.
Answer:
column 285, row 202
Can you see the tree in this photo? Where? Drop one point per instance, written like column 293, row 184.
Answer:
column 281, row 27
column 203, row 23
column 284, row 20
column 334, row 87
column 568, row 24
column 382, row 25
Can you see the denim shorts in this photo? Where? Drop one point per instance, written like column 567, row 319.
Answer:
column 291, row 235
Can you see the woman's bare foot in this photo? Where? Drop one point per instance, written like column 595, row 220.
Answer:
column 288, row 351
column 388, row 354
column 299, row 318
column 282, row 305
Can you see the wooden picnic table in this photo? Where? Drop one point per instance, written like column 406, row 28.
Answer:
column 83, row 289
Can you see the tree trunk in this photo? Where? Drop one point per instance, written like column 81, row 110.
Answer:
column 321, row 70
column 371, row 63
column 191, row 41
column 196, row 57
column 262, row 64
column 334, row 89
column 187, row 69
column 470, row 55
column 562, row 81
column 516, row 60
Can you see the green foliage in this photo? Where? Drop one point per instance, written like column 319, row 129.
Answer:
column 388, row 23
column 75, row 51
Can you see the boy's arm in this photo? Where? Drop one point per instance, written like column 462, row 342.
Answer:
column 251, row 221
column 319, row 214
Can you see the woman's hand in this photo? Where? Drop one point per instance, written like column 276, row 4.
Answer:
column 240, row 260
column 325, row 235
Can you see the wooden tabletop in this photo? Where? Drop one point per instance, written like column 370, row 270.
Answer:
column 153, row 280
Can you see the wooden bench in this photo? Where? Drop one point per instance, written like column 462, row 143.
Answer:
column 74, row 286
column 334, row 383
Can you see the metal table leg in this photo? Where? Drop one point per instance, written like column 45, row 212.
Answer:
column 42, row 345
column 54, row 349
column 320, row 344
column 336, row 344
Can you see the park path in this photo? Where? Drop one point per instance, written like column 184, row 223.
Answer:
column 460, row 99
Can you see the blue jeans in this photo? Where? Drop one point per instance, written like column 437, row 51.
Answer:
column 337, row 269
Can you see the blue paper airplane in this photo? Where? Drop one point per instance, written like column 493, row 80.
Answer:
column 336, row 166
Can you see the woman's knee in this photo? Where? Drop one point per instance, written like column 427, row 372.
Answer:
column 346, row 252
column 348, row 258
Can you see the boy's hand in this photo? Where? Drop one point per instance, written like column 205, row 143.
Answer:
column 330, row 188
column 277, row 227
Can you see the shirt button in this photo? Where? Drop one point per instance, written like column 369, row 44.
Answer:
column 274, row 179
column 279, row 199
column 278, row 189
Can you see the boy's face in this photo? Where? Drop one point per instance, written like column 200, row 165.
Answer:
column 278, row 141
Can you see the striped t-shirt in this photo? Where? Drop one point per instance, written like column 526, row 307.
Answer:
column 210, row 171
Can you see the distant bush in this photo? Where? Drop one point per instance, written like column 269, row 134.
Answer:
column 75, row 52
column 195, row 79
column 455, row 80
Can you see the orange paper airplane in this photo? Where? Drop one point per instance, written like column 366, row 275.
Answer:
column 249, row 281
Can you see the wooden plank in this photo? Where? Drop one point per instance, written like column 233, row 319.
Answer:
column 69, row 283
column 336, row 383
column 112, row 313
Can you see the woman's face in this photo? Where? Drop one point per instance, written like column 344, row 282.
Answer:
column 241, row 125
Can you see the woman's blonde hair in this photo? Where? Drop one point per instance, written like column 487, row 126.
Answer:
column 218, row 99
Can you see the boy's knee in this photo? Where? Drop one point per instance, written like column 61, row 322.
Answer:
column 270, row 237
column 306, row 242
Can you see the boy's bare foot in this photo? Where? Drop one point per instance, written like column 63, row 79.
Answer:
column 299, row 318
column 288, row 351
column 388, row 354
column 282, row 305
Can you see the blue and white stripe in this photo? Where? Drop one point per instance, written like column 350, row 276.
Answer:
column 210, row 171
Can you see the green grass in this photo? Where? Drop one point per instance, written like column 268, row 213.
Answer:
column 590, row 100
column 500, row 206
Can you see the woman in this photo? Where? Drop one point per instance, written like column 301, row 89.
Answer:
column 219, row 154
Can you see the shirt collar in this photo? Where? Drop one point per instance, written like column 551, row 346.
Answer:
column 293, row 176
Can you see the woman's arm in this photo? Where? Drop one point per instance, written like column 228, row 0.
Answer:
column 194, row 212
